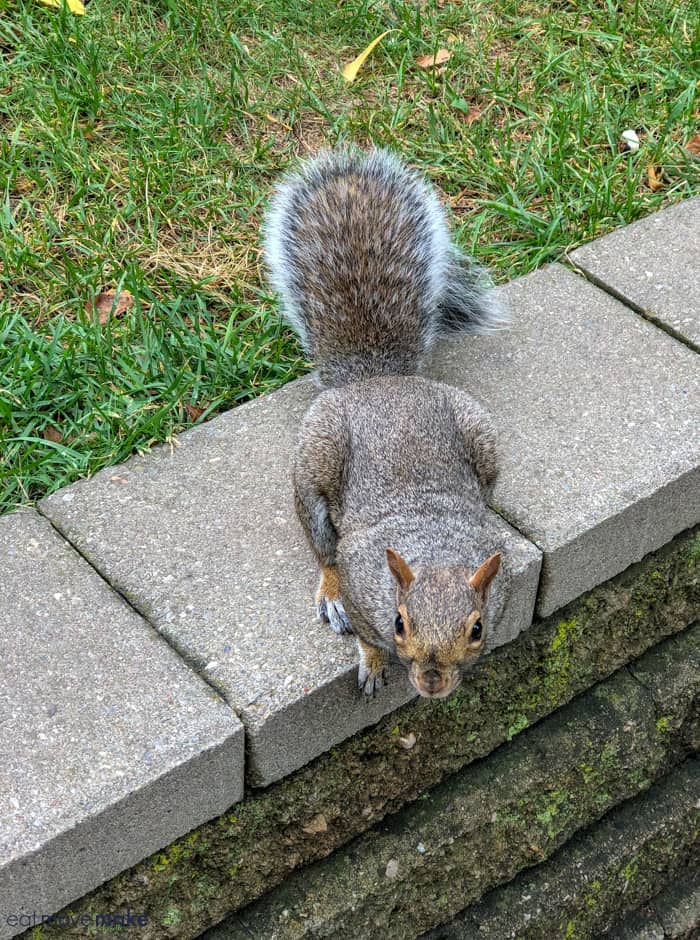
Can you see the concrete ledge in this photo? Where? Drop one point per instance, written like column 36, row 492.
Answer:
column 601, row 465
column 204, row 542
column 653, row 265
column 598, row 413
column 487, row 823
column 604, row 873
column 233, row 860
column 111, row 746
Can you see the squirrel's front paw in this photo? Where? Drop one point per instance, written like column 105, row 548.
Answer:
column 371, row 674
column 329, row 606
column 333, row 613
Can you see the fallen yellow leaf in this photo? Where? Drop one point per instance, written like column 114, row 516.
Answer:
column 274, row 120
column 352, row 68
column 75, row 6
column 430, row 61
column 655, row 177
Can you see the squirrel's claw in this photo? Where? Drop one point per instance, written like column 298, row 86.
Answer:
column 333, row 613
column 372, row 669
column 370, row 682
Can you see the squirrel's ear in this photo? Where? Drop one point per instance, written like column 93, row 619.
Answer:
column 484, row 575
column 399, row 569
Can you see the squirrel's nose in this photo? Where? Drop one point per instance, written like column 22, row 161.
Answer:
column 432, row 678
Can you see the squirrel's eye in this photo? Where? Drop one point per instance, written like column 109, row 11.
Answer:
column 398, row 624
column 476, row 631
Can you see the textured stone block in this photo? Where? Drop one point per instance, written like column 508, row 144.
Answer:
column 673, row 914
column 653, row 265
column 349, row 789
column 497, row 817
column 111, row 746
column 624, row 859
column 598, row 413
column 203, row 540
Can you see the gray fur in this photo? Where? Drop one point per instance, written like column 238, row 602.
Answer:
column 360, row 250
column 415, row 461
column 469, row 303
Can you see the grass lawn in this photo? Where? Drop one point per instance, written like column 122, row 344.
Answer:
column 139, row 143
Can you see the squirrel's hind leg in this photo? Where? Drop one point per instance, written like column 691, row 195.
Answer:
column 371, row 674
column 329, row 606
column 479, row 436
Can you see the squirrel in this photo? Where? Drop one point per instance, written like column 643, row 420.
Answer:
column 391, row 469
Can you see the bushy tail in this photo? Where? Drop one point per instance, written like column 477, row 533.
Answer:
column 359, row 249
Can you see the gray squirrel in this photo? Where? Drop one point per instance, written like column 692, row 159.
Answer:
column 391, row 469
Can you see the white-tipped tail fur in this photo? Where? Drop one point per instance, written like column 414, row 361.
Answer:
column 469, row 302
column 359, row 249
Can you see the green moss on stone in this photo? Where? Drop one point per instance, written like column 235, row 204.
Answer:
column 518, row 725
column 171, row 917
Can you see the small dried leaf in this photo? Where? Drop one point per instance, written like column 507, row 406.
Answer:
column 52, row 434
column 474, row 114
column 655, row 177
column 352, row 68
column 408, row 742
column 316, row 825
column 471, row 112
column 107, row 304
column 431, row 61
column 194, row 412
column 693, row 146
column 75, row 6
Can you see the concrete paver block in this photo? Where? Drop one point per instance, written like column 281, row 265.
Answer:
column 599, row 415
column 654, row 265
column 111, row 746
column 203, row 539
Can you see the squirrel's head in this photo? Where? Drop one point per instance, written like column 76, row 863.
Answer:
column 441, row 621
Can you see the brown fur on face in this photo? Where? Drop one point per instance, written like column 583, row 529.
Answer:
column 432, row 604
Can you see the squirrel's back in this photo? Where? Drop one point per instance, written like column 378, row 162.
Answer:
column 360, row 251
